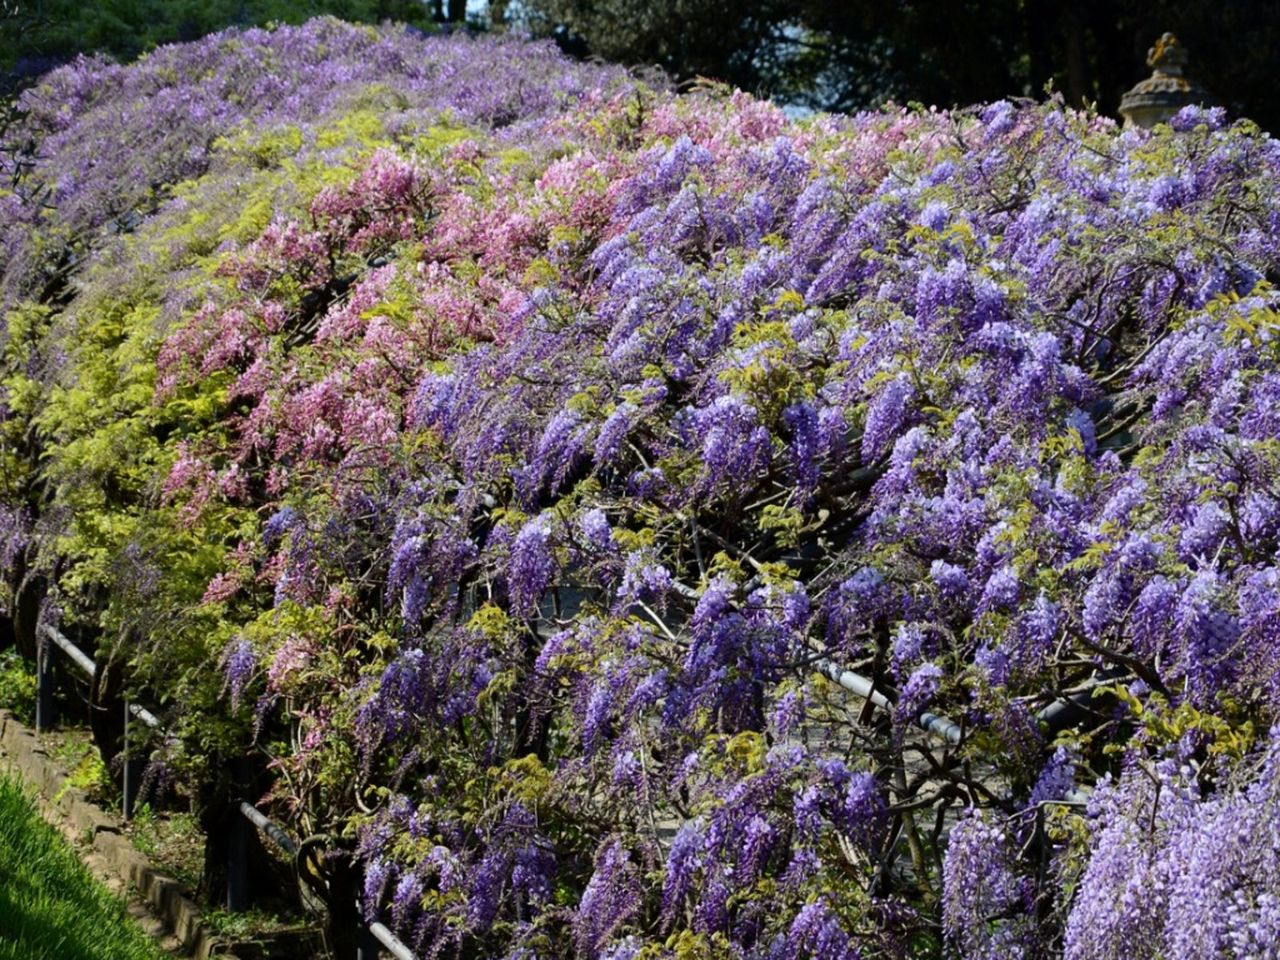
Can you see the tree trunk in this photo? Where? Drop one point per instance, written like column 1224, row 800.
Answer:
column 1077, row 79
column 26, row 609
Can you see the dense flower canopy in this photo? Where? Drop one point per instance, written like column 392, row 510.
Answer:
column 508, row 449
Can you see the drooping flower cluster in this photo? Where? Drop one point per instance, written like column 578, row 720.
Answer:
column 1174, row 871
column 531, row 446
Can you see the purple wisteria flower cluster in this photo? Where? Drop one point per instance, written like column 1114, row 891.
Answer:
column 645, row 525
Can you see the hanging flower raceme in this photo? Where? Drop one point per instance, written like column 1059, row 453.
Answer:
column 548, row 456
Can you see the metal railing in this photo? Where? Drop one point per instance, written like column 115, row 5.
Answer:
column 1056, row 715
column 375, row 937
column 46, row 708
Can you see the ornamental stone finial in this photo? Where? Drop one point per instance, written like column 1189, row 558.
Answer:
column 1157, row 98
column 1167, row 57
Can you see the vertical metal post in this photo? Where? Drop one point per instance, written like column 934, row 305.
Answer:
column 367, row 946
column 243, row 834
column 133, row 770
column 238, row 863
column 46, row 708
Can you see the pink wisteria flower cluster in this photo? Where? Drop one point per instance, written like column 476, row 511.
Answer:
column 510, row 456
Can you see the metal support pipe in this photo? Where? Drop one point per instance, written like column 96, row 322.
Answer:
column 940, row 727
column 241, row 838
column 1071, row 708
column 78, row 656
column 861, row 686
column 370, row 937
column 90, row 669
column 145, row 715
column 391, row 942
column 46, row 706
column 269, row 827
column 855, row 683
column 367, row 945
column 238, row 866
column 134, row 767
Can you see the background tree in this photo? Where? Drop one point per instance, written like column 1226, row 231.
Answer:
column 808, row 53
column 863, row 52
column 36, row 35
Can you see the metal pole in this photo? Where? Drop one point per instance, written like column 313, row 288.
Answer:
column 46, row 708
column 243, row 836
column 238, row 864
column 78, row 656
column 367, row 947
column 861, row 686
column 390, row 942
column 269, row 827
column 133, row 770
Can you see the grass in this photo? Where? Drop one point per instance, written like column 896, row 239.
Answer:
column 73, row 749
column 172, row 840
column 244, row 926
column 50, row 906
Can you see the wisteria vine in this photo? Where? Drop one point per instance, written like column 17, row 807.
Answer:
column 497, row 448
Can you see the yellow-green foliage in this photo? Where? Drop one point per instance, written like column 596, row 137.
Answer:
column 108, row 440
column 18, row 685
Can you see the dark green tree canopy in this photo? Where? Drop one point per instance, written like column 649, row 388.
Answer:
column 862, row 52
column 36, row 35
column 810, row 53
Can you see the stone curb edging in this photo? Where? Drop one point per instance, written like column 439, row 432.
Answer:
column 162, row 893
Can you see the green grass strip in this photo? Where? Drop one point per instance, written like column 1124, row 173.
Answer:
column 50, row 906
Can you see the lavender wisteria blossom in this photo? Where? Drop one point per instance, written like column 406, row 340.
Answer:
column 529, row 445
